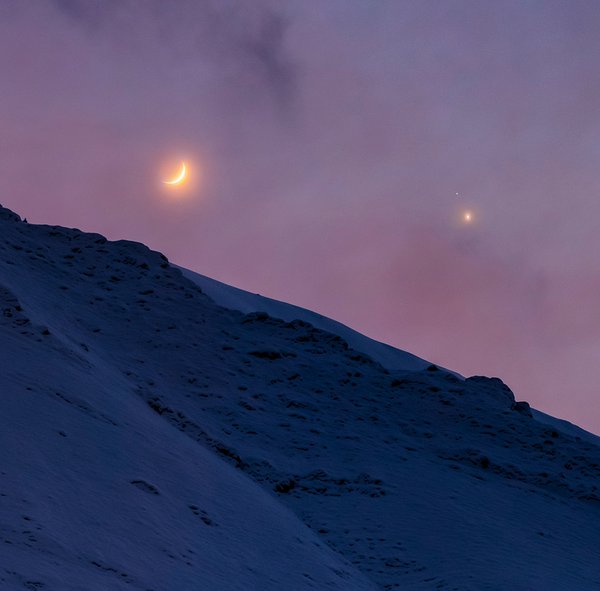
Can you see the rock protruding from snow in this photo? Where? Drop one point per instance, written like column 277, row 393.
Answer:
column 8, row 215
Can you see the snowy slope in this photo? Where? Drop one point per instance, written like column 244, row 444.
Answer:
column 156, row 440
column 565, row 427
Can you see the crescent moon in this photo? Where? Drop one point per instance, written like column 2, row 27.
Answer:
column 179, row 178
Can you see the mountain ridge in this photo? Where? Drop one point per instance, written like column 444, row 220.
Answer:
column 238, row 299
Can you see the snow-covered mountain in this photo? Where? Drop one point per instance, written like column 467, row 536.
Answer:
column 160, row 431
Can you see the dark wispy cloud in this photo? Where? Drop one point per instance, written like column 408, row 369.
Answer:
column 90, row 13
column 269, row 51
column 251, row 37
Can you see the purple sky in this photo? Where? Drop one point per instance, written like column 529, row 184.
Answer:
column 333, row 137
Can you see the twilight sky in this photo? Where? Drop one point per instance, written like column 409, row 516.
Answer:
column 332, row 138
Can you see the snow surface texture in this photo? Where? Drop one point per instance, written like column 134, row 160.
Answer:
column 155, row 440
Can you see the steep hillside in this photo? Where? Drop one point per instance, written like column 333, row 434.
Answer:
column 154, row 439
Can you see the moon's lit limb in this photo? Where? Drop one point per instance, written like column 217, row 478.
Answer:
column 179, row 178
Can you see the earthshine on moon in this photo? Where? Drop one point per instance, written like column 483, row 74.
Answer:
column 179, row 178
